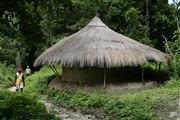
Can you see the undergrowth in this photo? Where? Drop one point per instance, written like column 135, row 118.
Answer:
column 21, row 106
column 7, row 75
column 38, row 82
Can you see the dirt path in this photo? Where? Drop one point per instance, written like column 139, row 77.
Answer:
column 12, row 89
column 67, row 114
column 170, row 111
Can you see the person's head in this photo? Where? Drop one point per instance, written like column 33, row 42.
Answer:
column 19, row 70
column 27, row 66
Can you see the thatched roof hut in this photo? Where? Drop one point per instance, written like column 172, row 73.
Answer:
column 96, row 45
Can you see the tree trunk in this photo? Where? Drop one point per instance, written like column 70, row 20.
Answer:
column 18, row 60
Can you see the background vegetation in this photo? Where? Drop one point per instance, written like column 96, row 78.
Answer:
column 31, row 26
column 7, row 76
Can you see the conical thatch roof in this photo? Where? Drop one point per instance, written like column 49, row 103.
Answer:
column 96, row 45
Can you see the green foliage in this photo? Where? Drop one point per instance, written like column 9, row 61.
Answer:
column 38, row 82
column 83, row 99
column 173, row 46
column 175, row 66
column 8, row 49
column 61, row 97
column 19, row 106
column 7, row 75
column 176, row 59
column 174, row 50
column 135, row 27
column 173, row 84
column 129, row 110
column 162, row 22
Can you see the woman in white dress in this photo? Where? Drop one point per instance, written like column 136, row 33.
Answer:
column 19, row 81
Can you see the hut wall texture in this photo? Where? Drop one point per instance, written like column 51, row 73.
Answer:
column 96, row 75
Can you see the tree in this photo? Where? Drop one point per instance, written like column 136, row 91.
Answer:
column 173, row 46
column 135, row 28
column 161, row 22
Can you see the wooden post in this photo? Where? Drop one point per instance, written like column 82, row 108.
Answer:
column 18, row 61
column 104, row 77
column 79, row 76
column 142, row 67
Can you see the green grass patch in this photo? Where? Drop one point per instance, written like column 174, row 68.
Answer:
column 38, row 82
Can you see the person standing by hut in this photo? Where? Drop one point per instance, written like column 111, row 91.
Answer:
column 19, row 80
column 28, row 71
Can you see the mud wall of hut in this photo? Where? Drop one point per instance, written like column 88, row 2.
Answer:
column 96, row 75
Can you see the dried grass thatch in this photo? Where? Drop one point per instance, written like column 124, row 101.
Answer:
column 96, row 45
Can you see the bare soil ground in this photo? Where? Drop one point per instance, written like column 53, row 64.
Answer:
column 169, row 111
column 110, row 87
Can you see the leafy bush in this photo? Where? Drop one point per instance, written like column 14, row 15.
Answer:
column 19, row 106
column 38, row 82
column 175, row 65
column 174, row 49
column 173, row 84
column 7, row 74
column 60, row 97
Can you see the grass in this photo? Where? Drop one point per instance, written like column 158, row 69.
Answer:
column 38, row 82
